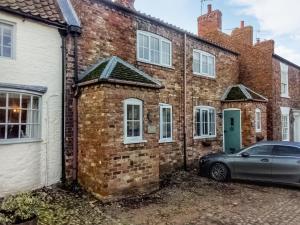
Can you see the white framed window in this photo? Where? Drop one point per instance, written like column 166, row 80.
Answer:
column 258, row 120
column 166, row 120
column 204, row 64
column 205, row 122
column 6, row 40
column 154, row 49
column 284, row 71
column 20, row 116
column 133, row 121
column 285, row 123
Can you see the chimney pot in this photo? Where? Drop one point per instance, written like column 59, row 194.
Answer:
column 257, row 40
column 209, row 8
column 242, row 24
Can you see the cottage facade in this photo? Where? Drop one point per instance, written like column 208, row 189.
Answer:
column 130, row 132
column 31, row 95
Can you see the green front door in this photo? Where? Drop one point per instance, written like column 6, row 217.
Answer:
column 232, row 131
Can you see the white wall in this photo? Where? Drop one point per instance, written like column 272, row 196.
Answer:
column 37, row 61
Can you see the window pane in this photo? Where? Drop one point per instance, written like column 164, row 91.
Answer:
column 13, row 115
column 2, row 99
column 211, row 66
column 196, row 62
column 35, row 132
column 26, row 101
column 137, row 112
column 2, row 131
column 12, row 131
column 287, row 151
column 129, row 129
column 169, row 135
column 261, row 150
column 129, row 112
column 136, row 128
column 25, row 131
column 26, row 116
column 154, row 49
column 204, row 122
column 35, row 103
column 2, row 115
column 204, row 64
column 14, row 100
column 166, row 53
column 165, row 130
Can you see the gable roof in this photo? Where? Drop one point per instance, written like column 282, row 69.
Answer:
column 46, row 11
column 116, row 70
column 242, row 93
column 278, row 57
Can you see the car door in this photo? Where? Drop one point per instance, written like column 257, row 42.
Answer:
column 254, row 163
column 286, row 164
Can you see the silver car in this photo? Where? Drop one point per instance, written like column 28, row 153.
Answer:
column 265, row 161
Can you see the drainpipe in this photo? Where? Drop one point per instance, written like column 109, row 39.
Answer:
column 184, row 108
column 63, row 34
column 75, row 115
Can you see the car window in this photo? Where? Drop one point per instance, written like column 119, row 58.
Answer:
column 261, row 150
column 287, row 151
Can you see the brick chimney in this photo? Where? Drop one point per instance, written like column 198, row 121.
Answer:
column 243, row 34
column 266, row 46
column 209, row 22
column 126, row 3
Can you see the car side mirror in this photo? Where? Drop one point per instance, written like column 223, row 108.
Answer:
column 245, row 155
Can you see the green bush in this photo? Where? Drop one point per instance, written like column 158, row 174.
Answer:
column 23, row 207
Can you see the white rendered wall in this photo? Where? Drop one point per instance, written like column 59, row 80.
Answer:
column 37, row 61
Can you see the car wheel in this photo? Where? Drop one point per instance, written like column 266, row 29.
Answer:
column 219, row 172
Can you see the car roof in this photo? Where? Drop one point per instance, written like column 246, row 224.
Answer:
column 283, row 143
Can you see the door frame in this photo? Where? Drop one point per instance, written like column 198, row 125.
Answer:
column 295, row 113
column 232, row 109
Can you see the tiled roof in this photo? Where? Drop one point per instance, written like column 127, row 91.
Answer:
column 117, row 70
column 242, row 93
column 43, row 9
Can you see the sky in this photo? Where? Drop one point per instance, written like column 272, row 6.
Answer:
column 272, row 19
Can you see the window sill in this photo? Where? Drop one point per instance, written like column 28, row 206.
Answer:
column 154, row 64
column 285, row 96
column 200, row 75
column 134, row 142
column 162, row 141
column 211, row 138
column 24, row 141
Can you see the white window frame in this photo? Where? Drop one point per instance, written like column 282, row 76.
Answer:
column 136, row 139
column 206, row 108
column 284, row 79
column 161, row 40
column 161, row 107
column 4, row 23
column 201, row 73
column 258, row 119
column 39, row 122
column 285, row 112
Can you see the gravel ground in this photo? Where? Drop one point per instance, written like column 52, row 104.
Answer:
column 187, row 199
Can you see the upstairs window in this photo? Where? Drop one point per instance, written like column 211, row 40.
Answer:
column 19, row 116
column 204, row 64
column 258, row 120
column 154, row 49
column 284, row 80
column 205, row 122
column 165, row 123
column 6, row 40
column 133, row 121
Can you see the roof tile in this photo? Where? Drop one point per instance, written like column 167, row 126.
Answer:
column 48, row 10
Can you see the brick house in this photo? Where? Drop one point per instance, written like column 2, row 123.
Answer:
column 263, row 71
column 150, row 98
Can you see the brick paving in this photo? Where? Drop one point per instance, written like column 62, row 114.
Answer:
column 187, row 199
